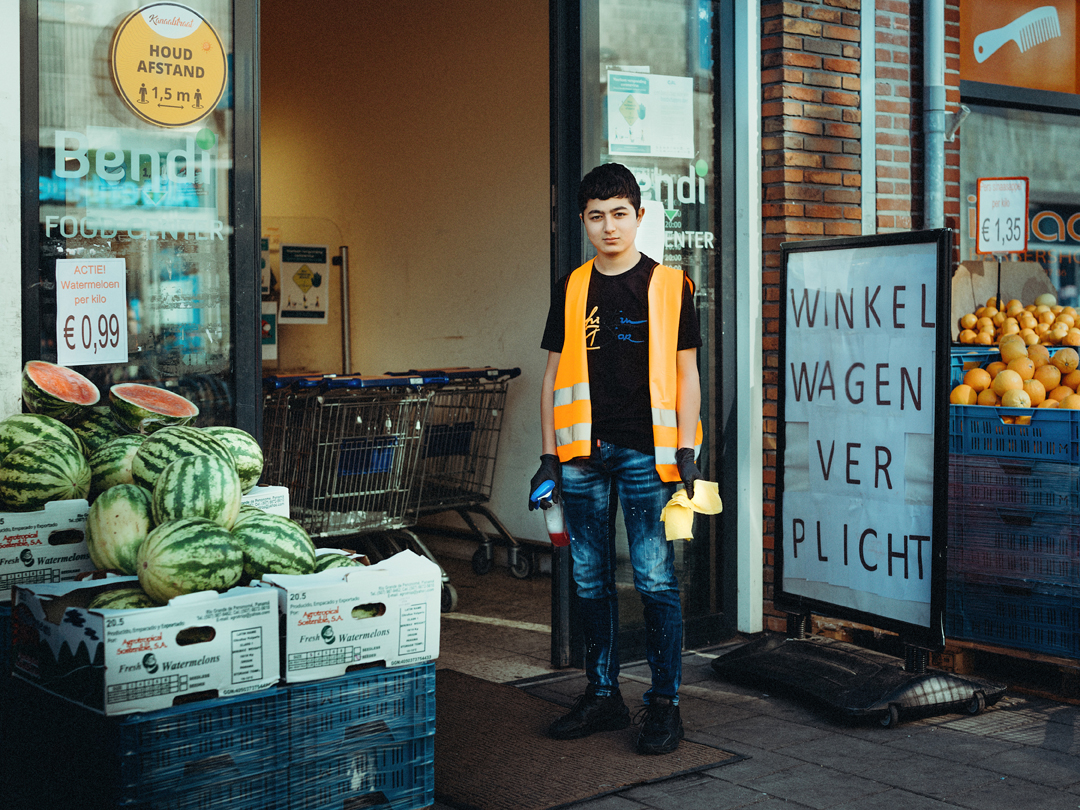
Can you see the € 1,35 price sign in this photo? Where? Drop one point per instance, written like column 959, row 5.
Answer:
column 1002, row 213
column 91, row 311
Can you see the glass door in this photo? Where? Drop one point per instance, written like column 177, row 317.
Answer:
column 647, row 71
column 138, row 115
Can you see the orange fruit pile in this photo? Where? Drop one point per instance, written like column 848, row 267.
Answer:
column 1044, row 322
column 1026, row 376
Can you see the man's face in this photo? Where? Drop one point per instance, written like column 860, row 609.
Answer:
column 611, row 225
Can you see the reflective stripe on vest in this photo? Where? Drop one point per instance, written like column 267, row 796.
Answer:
column 573, row 407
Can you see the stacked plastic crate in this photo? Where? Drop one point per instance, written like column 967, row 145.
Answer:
column 363, row 739
column 1014, row 525
column 225, row 752
column 5, row 641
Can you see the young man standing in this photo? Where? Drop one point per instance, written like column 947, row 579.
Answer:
column 619, row 418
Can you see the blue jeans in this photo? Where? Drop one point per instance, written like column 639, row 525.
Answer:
column 592, row 490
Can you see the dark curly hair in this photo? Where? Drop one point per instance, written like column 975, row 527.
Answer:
column 607, row 181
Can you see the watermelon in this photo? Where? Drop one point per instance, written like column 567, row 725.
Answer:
column 127, row 598
column 111, row 464
column 116, row 525
column 42, row 471
column 95, row 428
column 23, row 428
column 246, row 511
column 142, row 408
column 246, row 453
column 197, row 486
column 169, row 444
column 325, row 562
column 57, row 391
column 273, row 544
column 188, row 555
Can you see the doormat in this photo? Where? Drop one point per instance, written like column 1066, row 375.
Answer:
column 492, row 752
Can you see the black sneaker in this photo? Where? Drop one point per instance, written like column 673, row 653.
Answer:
column 591, row 714
column 661, row 727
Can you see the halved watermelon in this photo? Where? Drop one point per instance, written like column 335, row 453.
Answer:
column 57, row 391
column 143, row 408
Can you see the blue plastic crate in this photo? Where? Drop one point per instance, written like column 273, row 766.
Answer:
column 361, row 707
column 962, row 358
column 399, row 775
column 1045, row 485
column 199, row 743
column 1018, row 614
column 366, row 456
column 1052, row 435
column 5, row 640
column 1031, row 545
column 262, row 791
column 101, row 755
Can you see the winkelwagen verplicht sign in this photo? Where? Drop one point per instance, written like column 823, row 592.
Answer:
column 863, row 435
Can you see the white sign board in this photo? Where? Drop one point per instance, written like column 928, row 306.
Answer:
column 1002, row 215
column 650, row 115
column 91, row 311
column 305, row 284
column 857, row 504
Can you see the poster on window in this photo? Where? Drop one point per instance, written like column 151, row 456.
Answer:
column 863, row 437
column 650, row 115
column 305, row 284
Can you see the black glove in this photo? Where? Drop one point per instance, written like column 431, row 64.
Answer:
column 550, row 470
column 688, row 471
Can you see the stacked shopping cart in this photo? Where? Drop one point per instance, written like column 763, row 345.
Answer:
column 364, row 457
column 457, row 459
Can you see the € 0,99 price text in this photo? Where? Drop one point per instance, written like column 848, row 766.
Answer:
column 91, row 311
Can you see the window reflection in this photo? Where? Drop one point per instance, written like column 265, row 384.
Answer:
column 1003, row 142
column 114, row 185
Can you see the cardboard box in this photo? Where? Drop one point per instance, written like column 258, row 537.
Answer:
column 274, row 500
column 975, row 282
column 45, row 546
column 116, row 662
column 345, row 618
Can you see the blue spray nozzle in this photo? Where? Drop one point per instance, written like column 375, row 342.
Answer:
column 542, row 492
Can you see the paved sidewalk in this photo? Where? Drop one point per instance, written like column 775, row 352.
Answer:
column 1024, row 752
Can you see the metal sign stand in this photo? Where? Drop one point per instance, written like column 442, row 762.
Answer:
column 844, row 577
column 852, row 680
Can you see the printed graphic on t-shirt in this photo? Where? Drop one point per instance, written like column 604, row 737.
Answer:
column 620, row 328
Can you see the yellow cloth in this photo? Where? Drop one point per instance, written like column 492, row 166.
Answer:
column 678, row 515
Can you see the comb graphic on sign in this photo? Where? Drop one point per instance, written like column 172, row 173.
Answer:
column 1037, row 26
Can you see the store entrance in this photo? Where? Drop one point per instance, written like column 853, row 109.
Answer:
column 417, row 138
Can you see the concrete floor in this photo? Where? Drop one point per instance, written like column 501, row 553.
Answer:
column 501, row 630
column 1024, row 752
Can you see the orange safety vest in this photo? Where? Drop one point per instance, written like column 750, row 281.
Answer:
column 573, row 406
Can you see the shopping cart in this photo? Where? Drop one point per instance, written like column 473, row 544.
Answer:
column 347, row 448
column 457, row 459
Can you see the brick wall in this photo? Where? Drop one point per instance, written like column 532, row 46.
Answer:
column 898, row 147
column 812, row 171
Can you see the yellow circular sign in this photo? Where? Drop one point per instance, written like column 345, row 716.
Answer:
column 168, row 64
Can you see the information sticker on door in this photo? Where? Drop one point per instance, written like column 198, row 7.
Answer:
column 91, row 311
column 1002, row 215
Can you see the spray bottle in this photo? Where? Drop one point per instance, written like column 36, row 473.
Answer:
column 553, row 516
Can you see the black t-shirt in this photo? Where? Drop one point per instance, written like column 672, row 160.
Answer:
column 617, row 343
